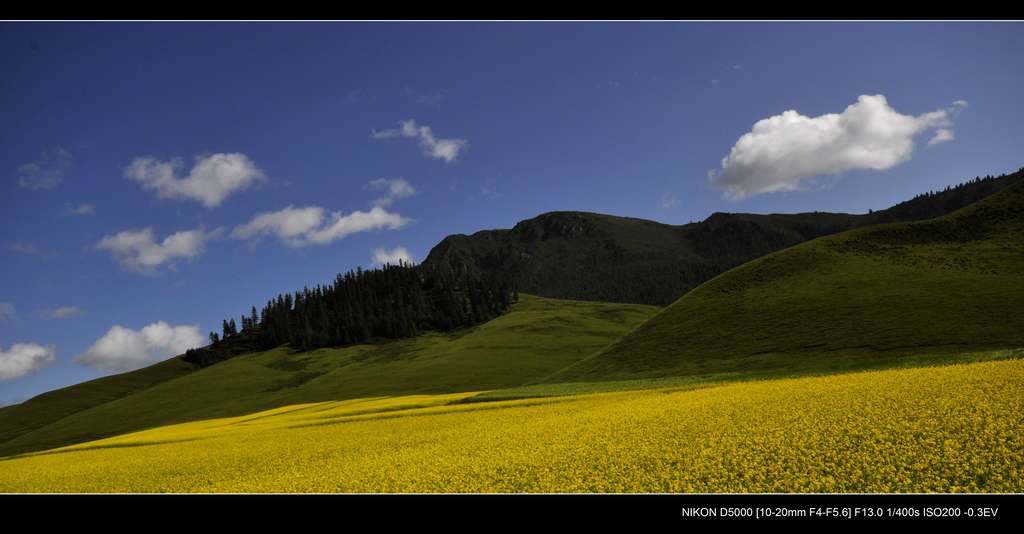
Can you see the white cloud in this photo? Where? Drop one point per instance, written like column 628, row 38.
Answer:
column 434, row 147
column 288, row 223
column 23, row 358
column 941, row 136
column 783, row 151
column 383, row 256
column 312, row 226
column 139, row 251
column 212, row 179
column 47, row 172
column 124, row 349
column 65, row 312
column 7, row 312
column 669, row 200
column 83, row 209
column 397, row 189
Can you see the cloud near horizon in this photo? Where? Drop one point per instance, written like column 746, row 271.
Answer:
column 139, row 251
column 211, row 180
column 782, row 152
column 433, row 147
column 382, row 256
column 23, row 358
column 299, row 227
column 123, row 349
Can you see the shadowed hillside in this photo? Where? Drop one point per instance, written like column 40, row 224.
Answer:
column 589, row 256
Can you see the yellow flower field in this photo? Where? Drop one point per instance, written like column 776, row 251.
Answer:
column 955, row 428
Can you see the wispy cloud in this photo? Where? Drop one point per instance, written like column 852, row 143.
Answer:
column 25, row 248
column 395, row 189
column 432, row 146
column 81, row 209
column 30, row 249
column 211, row 180
column 783, row 151
column 7, row 312
column 65, row 312
column 47, row 172
column 312, row 225
column 432, row 99
column 942, row 135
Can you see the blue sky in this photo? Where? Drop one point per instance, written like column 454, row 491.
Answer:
column 510, row 120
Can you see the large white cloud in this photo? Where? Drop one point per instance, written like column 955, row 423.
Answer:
column 382, row 256
column 23, row 358
column 47, row 172
column 781, row 152
column 212, row 179
column 139, row 251
column 124, row 349
column 434, row 147
column 313, row 226
column 395, row 189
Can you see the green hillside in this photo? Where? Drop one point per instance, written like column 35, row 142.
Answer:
column 942, row 286
column 536, row 338
column 51, row 406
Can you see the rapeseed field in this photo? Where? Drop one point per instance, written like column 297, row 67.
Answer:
column 955, row 428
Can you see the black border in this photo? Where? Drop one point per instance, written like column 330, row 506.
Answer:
column 343, row 511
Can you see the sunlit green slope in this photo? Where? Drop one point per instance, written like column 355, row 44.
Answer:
column 538, row 337
column 942, row 286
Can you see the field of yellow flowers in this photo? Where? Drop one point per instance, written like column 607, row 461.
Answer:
column 954, row 428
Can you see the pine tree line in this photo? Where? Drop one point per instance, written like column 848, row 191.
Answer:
column 395, row 301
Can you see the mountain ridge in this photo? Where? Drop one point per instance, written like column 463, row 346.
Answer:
column 609, row 258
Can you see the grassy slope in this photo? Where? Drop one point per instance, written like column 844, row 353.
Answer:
column 51, row 406
column 954, row 428
column 538, row 337
column 943, row 286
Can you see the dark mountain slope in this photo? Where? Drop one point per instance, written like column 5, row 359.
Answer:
column 589, row 256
